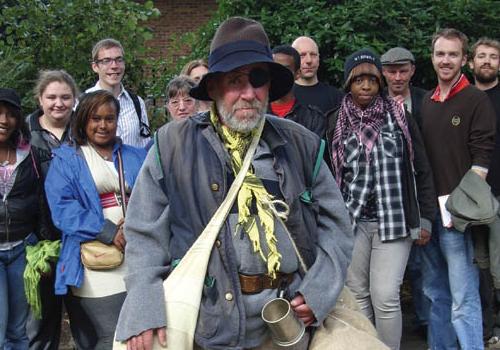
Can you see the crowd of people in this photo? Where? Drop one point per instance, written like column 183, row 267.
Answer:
column 335, row 187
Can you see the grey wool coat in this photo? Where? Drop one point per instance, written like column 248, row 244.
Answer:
column 177, row 193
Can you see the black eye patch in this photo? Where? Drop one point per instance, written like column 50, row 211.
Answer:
column 258, row 77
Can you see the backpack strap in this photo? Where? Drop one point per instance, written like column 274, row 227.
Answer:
column 144, row 130
column 306, row 196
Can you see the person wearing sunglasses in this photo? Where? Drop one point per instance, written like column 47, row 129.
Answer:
column 187, row 176
column 108, row 62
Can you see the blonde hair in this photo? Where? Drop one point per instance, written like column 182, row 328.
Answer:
column 45, row 77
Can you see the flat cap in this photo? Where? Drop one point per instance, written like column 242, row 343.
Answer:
column 397, row 55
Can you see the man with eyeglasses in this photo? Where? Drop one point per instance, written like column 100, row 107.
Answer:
column 108, row 62
column 186, row 177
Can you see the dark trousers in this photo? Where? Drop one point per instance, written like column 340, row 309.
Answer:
column 44, row 333
column 93, row 320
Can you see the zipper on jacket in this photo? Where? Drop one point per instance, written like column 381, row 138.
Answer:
column 6, row 208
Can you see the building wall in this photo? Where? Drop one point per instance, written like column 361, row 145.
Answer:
column 178, row 17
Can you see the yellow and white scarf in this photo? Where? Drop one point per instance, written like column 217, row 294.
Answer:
column 237, row 145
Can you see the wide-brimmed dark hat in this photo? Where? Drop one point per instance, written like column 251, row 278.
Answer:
column 240, row 41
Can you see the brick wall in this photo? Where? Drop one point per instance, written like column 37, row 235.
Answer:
column 178, row 17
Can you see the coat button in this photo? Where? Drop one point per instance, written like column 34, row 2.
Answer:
column 217, row 243
column 229, row 296
column 214, row 187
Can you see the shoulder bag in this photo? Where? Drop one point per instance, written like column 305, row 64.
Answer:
column 96, row 255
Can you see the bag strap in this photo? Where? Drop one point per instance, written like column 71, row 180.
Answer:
column 144, row 129
column 306, row 196
column 307, row 192
column 137, row 105
column 121, row 180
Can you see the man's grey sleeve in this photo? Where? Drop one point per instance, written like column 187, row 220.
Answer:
column 325, row 279
column 146, row 253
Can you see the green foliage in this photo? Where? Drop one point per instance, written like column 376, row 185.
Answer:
column 342, row 27
column 60, row 34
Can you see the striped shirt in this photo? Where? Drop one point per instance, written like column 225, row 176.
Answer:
column 128, row 122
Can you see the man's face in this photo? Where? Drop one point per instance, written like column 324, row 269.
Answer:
column 240, row 103
column 398, row 77
column 110, row 66
column 288, row 62
column 309, row 58
column 448, row 59
column 485, row 64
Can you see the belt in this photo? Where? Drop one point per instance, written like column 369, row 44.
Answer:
column 111, row 199
column 253, row 284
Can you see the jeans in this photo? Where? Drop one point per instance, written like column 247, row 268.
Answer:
column 451, row 283
column 375, row 276
column 13, row 305
column 420, row 301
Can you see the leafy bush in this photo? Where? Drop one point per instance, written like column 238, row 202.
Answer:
column 342, row 27
column 60, row 34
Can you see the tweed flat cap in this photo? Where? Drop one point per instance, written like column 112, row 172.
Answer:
column 397, row 55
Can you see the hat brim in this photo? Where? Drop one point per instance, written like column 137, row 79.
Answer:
column 281, row 77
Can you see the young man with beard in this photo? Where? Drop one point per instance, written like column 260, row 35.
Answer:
column 485, row 64
column 307, row 88
column 108, row 62
column 458, row 128
column 182, row 184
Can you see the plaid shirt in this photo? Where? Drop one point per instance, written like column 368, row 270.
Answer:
column 380, row 176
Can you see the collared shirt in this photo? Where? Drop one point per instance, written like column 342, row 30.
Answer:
column 128, row 122
column 461, row 84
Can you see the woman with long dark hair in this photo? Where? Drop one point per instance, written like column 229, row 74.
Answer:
column 21, row 200
column 378, row 160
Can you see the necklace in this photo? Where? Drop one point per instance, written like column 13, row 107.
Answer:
column 99, row 153
column 6, row 161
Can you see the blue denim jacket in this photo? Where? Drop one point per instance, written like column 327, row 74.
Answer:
column 76, row 208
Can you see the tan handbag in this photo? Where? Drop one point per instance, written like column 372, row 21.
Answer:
column 99, row 256
column 96, row 255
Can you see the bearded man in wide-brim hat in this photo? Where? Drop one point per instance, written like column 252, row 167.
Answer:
column 186, row 177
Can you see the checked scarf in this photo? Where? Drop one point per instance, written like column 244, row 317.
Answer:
column 366, row 124
column 252, row 188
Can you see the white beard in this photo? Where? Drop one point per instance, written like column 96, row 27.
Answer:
column 247, row 124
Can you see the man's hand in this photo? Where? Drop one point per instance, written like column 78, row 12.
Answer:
column 425, row 237
column 302, row 310
column 144, row 341
column 481, row 173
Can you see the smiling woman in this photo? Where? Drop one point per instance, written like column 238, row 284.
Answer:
column 375, row 152
column 20, row 207
column 86, row 186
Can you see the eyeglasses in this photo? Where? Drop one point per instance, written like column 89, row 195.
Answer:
column 108, row 60
column 176, row 103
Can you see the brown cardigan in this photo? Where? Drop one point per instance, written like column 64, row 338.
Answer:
column 458, row 133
